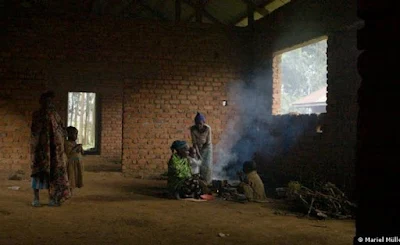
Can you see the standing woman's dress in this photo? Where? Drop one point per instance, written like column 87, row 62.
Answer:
column 48, row 154
column 202, row 141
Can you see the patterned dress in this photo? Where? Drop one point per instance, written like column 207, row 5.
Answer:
column 48, row 155
column 180, row 178
column 202, row 140
column 74, row 164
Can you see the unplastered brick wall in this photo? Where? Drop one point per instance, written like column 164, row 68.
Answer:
column 300, row 22
column 108, row 89
column 191, row 69
column 14, row 154
column 276, row 84
column 342, row 106
column 292, row 141
column 151, row 78
column 17, row 101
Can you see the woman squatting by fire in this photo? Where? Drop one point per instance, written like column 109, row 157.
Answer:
column 181, row 182
column 189, row 168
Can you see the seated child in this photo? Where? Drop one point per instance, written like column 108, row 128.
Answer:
column 74, row 153
column 252, row 186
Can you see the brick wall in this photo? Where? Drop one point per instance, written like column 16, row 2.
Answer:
column 14, row 153
column 191, row 69
column 151, row 79
column 17, row 87
column 276, row 84
column 300, row 22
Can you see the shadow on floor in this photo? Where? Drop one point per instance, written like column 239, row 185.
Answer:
column 111, row 198
column 153, row 191
column 110, row 167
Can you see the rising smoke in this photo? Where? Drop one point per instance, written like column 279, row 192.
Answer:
column 247, row 133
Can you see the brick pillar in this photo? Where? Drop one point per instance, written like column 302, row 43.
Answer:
column 276, row 84
column 377, row 165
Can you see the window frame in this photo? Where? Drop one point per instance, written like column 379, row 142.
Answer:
column 96, row 150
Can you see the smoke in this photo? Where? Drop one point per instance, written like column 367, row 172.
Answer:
column 247, row 132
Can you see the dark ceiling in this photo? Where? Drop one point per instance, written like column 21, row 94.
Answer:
column 226, row 12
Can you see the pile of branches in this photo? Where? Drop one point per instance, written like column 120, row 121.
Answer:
column 325, row 201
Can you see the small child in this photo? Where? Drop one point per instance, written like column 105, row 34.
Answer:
column 195, row 165
column 252, row 185
column 194, row 162
column 74, row 153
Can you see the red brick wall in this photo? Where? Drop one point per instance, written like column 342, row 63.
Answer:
column 276, row 84
column 191, row 69
column 14, row 154
column 302, row 21
column 90, row 78
column 17, row 87
column 151, row 79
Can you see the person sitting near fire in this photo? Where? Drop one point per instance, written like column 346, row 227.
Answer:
column 251, row 184
column 181, row 183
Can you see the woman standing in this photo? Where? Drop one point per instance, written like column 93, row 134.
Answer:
column 48, row 156
column 201, row 139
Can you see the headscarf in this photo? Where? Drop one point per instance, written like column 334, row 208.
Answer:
column 44, row 103
column 48, row 94
column 249, row 166
column 178, row 144
column 199, row 118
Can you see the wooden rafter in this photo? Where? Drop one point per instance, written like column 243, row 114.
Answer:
column 162, row 4
column 154, row 12
column 199, row 11
column 204, row 12
column 130, row 9
column 259, row 9
column 178, row 10
column 191, row 17
column 250, row 15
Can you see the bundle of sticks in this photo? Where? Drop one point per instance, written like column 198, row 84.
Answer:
column 325, row 201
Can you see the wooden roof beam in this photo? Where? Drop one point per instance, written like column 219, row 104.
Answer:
column 191, row 17
column 260, row 9
column 204, row 12
column 178, row 10
column 154, row 12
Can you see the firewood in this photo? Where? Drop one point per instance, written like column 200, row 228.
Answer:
column 311, row 205
column 324, row 201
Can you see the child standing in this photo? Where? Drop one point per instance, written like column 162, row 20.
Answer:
column 194, row 162
column 74, row 153
column 195, row 165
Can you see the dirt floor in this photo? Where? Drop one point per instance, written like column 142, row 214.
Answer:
column 112, row 209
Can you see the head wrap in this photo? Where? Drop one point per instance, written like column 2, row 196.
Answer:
column 48, row 94
column 178, row 144
column 45, row 103
column 199, row 118
column 249, row 166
